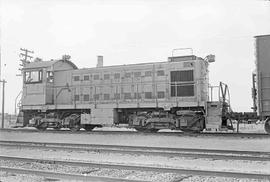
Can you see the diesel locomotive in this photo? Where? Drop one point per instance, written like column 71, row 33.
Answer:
column 173, row 94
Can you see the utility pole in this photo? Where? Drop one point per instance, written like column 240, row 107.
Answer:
column 3, row 102
column 25, row 58
column 0, row 61
column 2, row 125
column 25, row 55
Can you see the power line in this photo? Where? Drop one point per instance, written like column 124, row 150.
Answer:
column 25, row 56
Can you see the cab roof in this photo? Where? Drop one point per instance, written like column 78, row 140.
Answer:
column 46, row 64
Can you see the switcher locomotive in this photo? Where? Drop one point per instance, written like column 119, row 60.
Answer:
column 173, row 94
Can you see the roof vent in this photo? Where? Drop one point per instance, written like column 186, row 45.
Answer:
column 210, row 58
column 37, row 59
column 66, row 57
column 99, row 61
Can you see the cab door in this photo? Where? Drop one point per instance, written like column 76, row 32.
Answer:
column 49, row 87
column 33, row 87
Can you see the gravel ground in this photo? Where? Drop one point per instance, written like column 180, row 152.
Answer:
column 250, row 144
column 125, row 174
column 136, row 159
column 250, row 128
column 11, row 177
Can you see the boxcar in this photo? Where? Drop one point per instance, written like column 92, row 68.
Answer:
column 261, row 80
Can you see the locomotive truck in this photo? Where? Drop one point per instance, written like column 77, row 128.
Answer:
column 172, row 94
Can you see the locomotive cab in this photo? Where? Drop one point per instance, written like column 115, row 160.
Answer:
column 38, row 86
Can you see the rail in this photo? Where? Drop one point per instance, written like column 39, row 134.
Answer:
column 66, row 176
column 132, row 132
column 142, row 150
column 143, row 168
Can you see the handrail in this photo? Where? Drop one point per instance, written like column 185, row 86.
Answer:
column 20, row 93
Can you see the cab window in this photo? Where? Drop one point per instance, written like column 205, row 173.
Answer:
column 49, row 76
column 33, row 76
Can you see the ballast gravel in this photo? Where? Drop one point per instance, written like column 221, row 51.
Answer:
column 124, row 174
column 140, row 159
column 252, row 144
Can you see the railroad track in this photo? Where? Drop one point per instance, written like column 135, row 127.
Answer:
column 142, row 168
column 142, row 150
column 131, row 132
column 51, row 176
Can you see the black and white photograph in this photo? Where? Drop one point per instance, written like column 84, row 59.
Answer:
column 134, row 90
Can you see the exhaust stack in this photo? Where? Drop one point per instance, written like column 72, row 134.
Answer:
column 99, row 61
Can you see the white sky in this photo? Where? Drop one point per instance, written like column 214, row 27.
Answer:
column 133, row 31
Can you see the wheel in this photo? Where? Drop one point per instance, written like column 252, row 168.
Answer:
column 194, row 124
column 188, row 131
column 152, row 130
column 57, row 128
column 147, row 130
column 74, row 124
column 267, row 125
column 140, row 129
column 42, row 126
column 89, row 127
column 75, row 128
